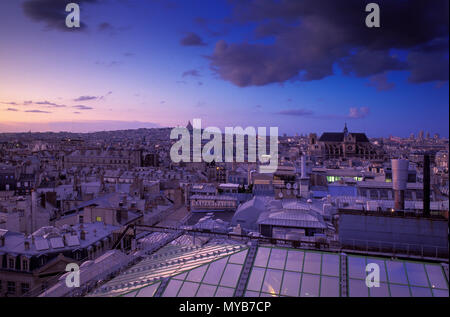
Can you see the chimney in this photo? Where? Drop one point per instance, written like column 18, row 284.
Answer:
column 303, row 167
column 26, row 245
column 83, row 235
column 2, row 241
column 426, row 185
column 399, row 180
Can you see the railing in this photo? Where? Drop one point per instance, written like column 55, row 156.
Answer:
column 396, row 248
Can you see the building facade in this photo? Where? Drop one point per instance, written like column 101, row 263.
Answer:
column 341, row 145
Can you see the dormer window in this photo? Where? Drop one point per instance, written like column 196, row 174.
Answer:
column 11, row 263
column 24, row 265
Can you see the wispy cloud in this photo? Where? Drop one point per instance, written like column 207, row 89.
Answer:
column 191, row 72
column 10, row 103
column 192, row 39
column 295, row 112
column 49, row 104
column 37, row 111
column 380, row 82
column 109, row 64
column 106, row 95
column 12, row 109
column 358, row 113
column 85, row 98
column 82, row 107
column 354, row 113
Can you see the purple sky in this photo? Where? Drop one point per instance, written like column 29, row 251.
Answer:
column 301, row 65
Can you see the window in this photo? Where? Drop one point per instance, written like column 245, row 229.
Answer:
column 11, row 264
column 25, row 265
column 98, row 219
column 77, row 255
column 25, row 288
column 11, row 287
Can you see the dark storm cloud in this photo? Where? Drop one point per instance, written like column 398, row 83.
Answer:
column 368, row 62
column 192, row 39
column 311, row 36
column 430, row 62
column 52, row 12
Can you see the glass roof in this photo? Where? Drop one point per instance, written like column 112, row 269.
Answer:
column 276, row 271
column 398, row 278
column 170, row 261
column 218, row 278
column 291, row 272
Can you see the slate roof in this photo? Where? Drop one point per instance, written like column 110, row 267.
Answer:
column 339, row 137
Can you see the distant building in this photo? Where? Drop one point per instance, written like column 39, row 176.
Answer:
column 207, row 203
column 151, row 159
column 7, row 178
column 110, row 158
column 338, row 145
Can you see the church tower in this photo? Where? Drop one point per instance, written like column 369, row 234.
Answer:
column 345, row 130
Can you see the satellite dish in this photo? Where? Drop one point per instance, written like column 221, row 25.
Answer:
column 280, row 195
column 295, row 185
column 288, row 192
column 288, row 185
